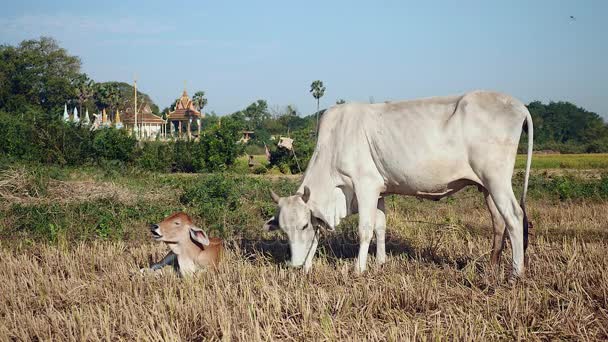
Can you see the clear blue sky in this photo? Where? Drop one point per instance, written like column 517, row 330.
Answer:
column 240, row 51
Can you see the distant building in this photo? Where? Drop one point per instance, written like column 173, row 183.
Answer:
column 247, row 135
column 148, row 125
column 184, row 114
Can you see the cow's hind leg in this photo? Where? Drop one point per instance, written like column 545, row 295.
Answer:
column 498, row 225
column 380, row 229
column 506, row 203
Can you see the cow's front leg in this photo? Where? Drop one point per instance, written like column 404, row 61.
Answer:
column 169, row 260
column 380, row 229
column 368, row 201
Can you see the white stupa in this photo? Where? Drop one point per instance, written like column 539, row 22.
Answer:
column 66, row 115
column 86, row 119
column 75, row 116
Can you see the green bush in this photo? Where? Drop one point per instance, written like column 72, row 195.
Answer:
column 89, row 220
column 33, row 137
column 231, row 201
column 303, row 147
column 253, row 150
column 155, row 156
column 218, row 147
column 17, row 138
column 114, row 144
column 566, row 187
column 260, row 170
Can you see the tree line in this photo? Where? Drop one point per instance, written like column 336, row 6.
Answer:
column 37, row 77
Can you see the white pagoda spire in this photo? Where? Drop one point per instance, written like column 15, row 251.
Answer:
column 66, row 116
column 86, row 119
column 75, row 116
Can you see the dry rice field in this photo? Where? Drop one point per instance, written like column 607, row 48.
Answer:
column 436, row 285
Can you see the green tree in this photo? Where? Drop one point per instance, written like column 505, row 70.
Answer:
column 255, row 114
column 199, row 100
column 37, row 73
column 101, row 95
column 564, row 127
column 114, row 98
column 340, row 101
column 318, row 90
column 218, row 147
column 84, row 87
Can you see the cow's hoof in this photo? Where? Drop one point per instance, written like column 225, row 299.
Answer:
column 359, row 270
column 380, row 261
column 513, row 279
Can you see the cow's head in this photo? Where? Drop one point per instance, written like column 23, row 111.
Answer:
column 178, row 229
column 295, row 217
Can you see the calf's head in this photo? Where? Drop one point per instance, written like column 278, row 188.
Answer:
column 295, row 217
column 178, row 229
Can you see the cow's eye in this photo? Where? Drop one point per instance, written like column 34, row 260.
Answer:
column 176, row 223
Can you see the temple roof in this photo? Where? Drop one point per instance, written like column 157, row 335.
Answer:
column 144, row 116
column 184, row 109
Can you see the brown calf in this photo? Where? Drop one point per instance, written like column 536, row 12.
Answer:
column 190, row 246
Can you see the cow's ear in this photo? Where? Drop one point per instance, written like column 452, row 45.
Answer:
column 319, row 222
column 199, row 236
column 271, row 225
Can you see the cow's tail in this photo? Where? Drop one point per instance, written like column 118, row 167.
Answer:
column 530, row 129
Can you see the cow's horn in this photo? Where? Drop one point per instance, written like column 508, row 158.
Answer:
column 274, row 196
column 306, row 195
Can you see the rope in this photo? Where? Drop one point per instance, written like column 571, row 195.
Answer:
column 296, row 158
column 312, row 243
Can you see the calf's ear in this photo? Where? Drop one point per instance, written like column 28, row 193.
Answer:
column 199, row 236
column 271, row 225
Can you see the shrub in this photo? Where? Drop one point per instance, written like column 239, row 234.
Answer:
column 114, row 144
column 218, row 147
column 229, row 201
column 303, row 146
column 568, row 188
column 16, row 139
column 40, row 139
column 260, row 170
column 185, row 157
column 155, row 156
column 253, row 150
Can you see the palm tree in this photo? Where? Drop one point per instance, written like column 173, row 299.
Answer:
column 84, row 90
column 318, row 90
column 200, row 101
column 101, row 95
column 114, row 98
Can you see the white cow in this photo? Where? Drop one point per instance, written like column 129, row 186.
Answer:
column 429, row 148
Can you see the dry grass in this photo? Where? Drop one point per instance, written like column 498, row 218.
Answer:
column 437, row 284
column 18, row 186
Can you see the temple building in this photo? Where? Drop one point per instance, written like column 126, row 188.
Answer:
column 149, row 126
column 247, row 135
column 185, row 112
